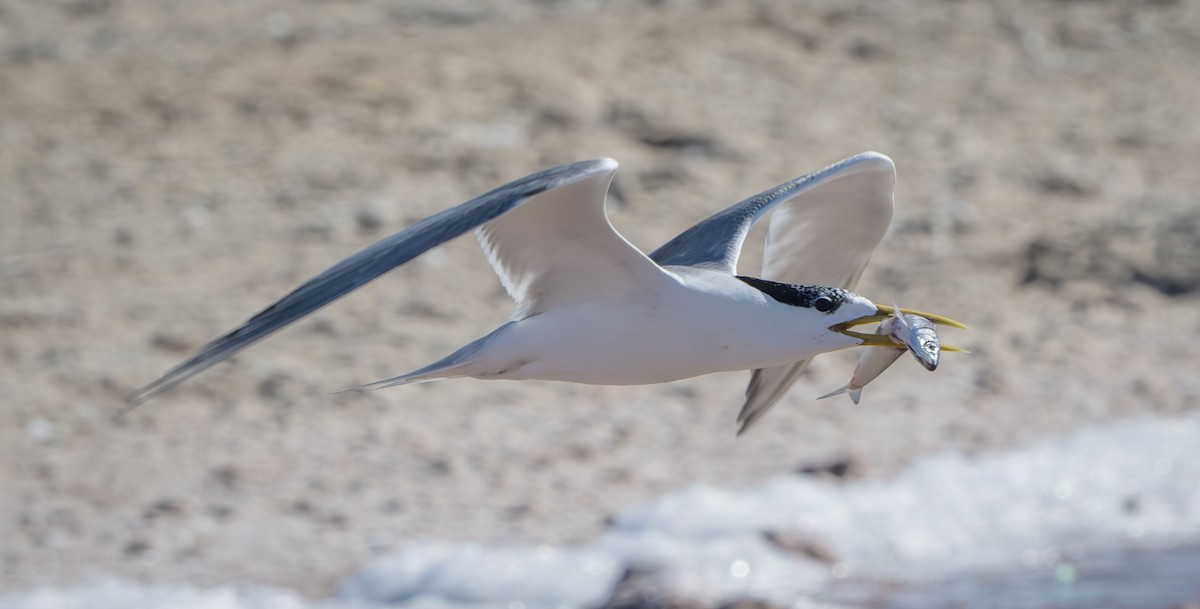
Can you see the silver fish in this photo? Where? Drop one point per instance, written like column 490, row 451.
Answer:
column 912, row 332
column 919, row 335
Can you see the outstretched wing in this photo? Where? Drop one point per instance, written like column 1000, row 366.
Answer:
column 386, row 254
column 824, row 236
column 825, row 227
column 558, row 247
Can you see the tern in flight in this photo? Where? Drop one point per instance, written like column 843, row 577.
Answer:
column 591, row 308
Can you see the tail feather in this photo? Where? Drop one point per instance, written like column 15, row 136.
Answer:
column 456, row 365
column 427, row 374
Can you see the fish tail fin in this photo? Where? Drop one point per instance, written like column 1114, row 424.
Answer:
column 838, row 391
column 854, row 394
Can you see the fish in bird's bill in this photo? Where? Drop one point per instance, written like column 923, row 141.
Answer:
column 911, row 332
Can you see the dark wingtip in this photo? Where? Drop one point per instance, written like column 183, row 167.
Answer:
column 744, row 423
column 131, row 402
column 146, row 393
column 212, row 354
column 742, row 429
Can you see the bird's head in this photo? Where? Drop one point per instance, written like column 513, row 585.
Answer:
column 840, row 310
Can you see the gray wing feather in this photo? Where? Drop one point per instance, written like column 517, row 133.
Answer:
column 716, row 241
column 367, row 264
column 846, row 222
column 826, row 238
column 767, row 386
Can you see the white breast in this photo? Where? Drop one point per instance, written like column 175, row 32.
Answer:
column 706, row 322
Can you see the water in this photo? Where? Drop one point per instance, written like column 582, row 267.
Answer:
column 1167, row 579
column 1108, row 517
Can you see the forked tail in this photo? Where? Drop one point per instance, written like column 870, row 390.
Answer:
column 458, row 364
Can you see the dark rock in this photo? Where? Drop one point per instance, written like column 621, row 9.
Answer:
column 226, row 476
column 663, row 177
column 636, row 591
column 866, row 50
column 323, row 326
column 136, row 547
column 161, row 508
column 439, row 467
column 88, row 8
column 1163, row 253
column 638, row 124
column 692, row 143
column 368, row 221
column 1059, row 183
column 517, row 511
column 272, row 387
column 170, row 343
column 122, row 236
column 314, row 231
column 748, row 603
column 801, row 545
column 1175, row 269
column 839, row 468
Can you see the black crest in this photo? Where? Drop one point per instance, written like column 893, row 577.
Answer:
column 823, row 298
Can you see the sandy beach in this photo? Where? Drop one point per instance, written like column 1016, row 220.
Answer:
column 167, row 169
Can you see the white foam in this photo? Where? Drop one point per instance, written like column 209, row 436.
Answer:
column 1123, row 485
column 521, row 577
column 120, row 594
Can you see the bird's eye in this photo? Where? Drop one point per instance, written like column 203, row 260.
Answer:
column 823, row 304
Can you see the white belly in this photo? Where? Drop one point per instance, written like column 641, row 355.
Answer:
column 676, row 333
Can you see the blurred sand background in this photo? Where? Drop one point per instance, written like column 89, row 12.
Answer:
column 168, row 168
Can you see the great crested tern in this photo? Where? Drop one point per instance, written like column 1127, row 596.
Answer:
column 591, row 308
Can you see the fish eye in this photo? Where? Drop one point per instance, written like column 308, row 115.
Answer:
column 823, row 304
